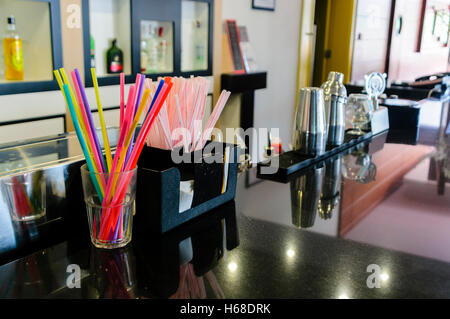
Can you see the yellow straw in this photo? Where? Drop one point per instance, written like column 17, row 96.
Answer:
column 129, row 136
column 102, row 121
column 58, row 79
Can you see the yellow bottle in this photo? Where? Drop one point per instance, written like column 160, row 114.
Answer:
column 13, row 51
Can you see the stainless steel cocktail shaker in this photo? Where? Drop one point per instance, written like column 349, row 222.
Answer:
column 335, row 101
column 310, row 131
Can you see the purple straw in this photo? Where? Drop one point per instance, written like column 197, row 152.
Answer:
column 91, row 122
column 139, row 96
column 116, row 230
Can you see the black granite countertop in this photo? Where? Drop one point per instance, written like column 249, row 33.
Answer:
column 372, row 223
column 260, row 267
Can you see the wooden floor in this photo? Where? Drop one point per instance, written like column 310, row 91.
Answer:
column 393, row 162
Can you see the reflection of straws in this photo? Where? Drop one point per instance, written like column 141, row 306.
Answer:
column 113, row 276
column 22, row 203
column 193, row 287
column 218, row 292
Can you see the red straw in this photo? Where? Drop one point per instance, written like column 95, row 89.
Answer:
column 122, row 98
column 20, row 201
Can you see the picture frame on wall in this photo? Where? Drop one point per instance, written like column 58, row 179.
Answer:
column 263, row 5
column 434, row 25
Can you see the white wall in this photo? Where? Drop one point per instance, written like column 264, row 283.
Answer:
column 275, row 39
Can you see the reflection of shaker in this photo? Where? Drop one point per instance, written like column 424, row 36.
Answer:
column 310, row 131
column 330, row 197
column 335, row 100
column 305, row 194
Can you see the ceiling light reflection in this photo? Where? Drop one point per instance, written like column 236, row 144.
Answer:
column 290, row 253
column 232, row 266
column 384, row 277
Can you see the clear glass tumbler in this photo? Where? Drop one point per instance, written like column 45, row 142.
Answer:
column 26, row 196
column 358, row 112
column 110, row 205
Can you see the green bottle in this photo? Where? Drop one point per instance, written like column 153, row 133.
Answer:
column 114, row 59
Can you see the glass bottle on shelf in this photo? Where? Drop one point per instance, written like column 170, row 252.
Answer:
column 114, row 59
column 13, row 51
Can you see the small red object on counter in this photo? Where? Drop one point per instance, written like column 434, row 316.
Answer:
column 277, row 146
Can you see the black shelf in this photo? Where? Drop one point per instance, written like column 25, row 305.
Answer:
column 240, row 83
column 290, row 163
column 402, row 92
column 245, row 84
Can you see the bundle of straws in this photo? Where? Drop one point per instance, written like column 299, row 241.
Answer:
column 112, row 190
column 180, row 121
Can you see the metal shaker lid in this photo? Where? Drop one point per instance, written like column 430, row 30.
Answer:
column 334, row 85
column 336, row 76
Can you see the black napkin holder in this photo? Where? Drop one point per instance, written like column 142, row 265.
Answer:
column 158, row 185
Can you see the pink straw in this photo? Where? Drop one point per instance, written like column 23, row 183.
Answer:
column 214, row 118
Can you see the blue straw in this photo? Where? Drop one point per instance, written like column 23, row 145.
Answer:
column 81, row 139
column 161, row 83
